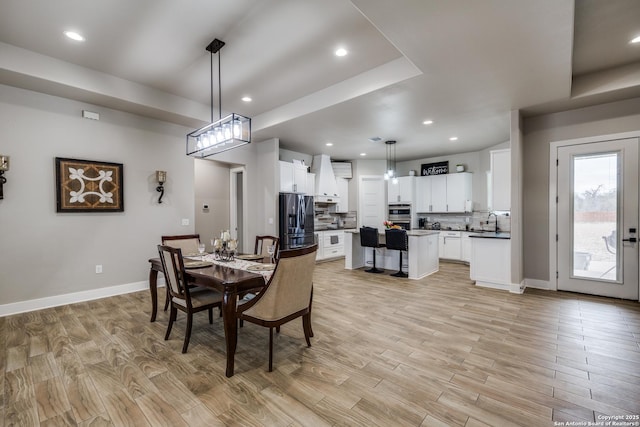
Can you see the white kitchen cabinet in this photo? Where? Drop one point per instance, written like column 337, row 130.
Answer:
column 490, row 264
column 431, row 193
column 311, row 184
column 466, row 247
column 450, row 245
column 443, row 193
column 319, row 241
column 458, row 191
column 293, row 178
column 423, row 194
column 343, row 192
column 401, row 190
column 500, row 180
column 439, row 193
column 332, row 244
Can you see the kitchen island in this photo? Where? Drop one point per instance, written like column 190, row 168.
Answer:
column 422, row 257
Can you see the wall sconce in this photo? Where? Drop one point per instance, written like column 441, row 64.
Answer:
column 4, row 166
column 161, row 177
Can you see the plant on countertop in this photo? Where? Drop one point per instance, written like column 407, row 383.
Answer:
column 390, row 224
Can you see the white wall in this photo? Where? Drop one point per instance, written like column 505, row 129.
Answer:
column 44, row 253
column 539, row 132
column 212, row 187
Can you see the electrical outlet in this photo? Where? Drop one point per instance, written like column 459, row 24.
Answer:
column 98, row 268
column 185, row 221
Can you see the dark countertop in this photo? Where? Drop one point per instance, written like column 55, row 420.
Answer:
column 491, row 235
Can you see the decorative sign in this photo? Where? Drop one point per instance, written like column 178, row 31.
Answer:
column 438, row 168
column 88, row 186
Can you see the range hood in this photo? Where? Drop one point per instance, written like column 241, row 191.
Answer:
column 326, row 188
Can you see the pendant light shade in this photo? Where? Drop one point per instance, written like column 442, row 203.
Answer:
column 391, row 161
column 223, row 134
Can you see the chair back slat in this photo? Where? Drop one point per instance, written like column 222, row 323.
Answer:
column 289, row 289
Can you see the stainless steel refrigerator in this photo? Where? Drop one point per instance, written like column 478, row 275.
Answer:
column 296, row 220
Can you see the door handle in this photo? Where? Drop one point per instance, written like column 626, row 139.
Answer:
column 630, row 240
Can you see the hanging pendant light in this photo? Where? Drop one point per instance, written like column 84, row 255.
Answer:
column 224, row 134
column 391, row 161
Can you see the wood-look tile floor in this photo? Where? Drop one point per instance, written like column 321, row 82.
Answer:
column 386, row 352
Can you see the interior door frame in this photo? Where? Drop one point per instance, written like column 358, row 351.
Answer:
column 233, row 208
column 553, row 193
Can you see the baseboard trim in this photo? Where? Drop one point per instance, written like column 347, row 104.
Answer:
column 537, row 284
column 75, row 297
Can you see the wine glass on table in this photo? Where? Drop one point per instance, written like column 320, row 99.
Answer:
column 271, row 249
column 201, row 248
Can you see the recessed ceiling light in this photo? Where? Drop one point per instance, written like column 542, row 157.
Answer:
column 329, row 144
column 246, row 99
column 74, row 36
column 453, row 138
column 363, row 154
column 341, row 52
column 635, row 40
column 427, row 122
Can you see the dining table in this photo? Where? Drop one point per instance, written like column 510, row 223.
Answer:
column 231, row 278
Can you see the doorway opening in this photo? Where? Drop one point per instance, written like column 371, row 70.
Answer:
column 237, row 203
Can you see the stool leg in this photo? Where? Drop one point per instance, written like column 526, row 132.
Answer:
column 400, row 273
column 374, row 269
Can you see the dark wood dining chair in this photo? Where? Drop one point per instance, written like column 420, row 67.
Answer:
column 287, row 295
column 263, row 243
column 188, row 243
column 183, row 297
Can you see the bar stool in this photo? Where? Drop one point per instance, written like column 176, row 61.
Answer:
column 398, row 240
column 369, row 239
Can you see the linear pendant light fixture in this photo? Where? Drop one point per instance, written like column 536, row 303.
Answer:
column 224, row 134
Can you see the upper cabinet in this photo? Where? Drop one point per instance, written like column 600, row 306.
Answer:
column 401, row 191
column 500, row 198
column 443, row 193
column 293, row 178
column 458, row 191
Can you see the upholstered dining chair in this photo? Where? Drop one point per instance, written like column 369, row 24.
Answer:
column 185, row 298
column 263, row 243
column 286, row 296
column 188, row 243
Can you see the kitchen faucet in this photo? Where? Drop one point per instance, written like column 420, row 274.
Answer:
column 496, row 216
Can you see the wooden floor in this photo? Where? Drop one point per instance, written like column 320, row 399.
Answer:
column 386, row 352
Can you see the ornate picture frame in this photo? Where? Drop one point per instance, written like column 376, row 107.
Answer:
column 89, row 186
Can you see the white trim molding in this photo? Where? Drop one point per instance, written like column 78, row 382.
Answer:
column 538, row 284
column 75, row 297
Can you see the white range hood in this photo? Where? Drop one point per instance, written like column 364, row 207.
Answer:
column 326, row 188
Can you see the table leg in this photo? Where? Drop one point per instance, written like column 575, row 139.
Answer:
column 153, row 287
column 229, row 302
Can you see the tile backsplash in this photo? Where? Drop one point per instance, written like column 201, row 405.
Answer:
column 469, row 221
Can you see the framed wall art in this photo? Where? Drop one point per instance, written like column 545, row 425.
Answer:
column 88, row 186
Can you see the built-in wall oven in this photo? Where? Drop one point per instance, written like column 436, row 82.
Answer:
column 400, row 215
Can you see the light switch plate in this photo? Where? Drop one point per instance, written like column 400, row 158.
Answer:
column 185, row 221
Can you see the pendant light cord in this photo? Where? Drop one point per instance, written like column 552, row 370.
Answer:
column 219, row 88
column 211, row 79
